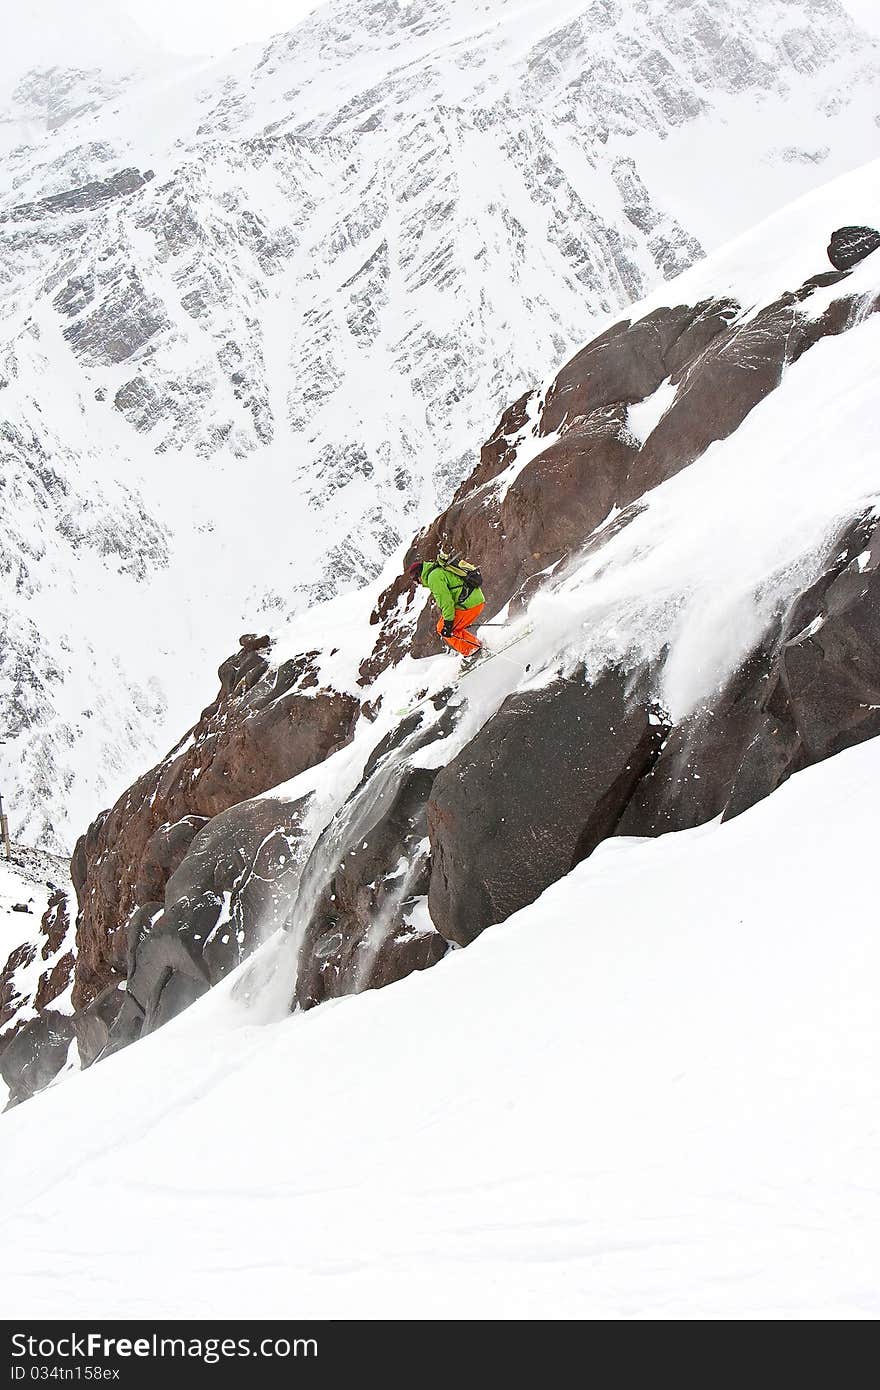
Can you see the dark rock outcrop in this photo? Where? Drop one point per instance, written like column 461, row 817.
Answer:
column 811, row 689
column 54, row 931
column 532, row 795
column 82, row 199
column 849, row 245
column 34, row 1057
column 119, row 326
column 367, row 872
column 231, row 890
column 359, row 936
column 94, row 1022
column 10, row 1000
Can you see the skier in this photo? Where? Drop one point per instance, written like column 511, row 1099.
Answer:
column 455, row 586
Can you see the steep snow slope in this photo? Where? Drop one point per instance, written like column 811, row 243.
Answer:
column 273, row 358
column 680, row 1120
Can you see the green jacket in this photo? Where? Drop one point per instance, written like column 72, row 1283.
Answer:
column 446, row 588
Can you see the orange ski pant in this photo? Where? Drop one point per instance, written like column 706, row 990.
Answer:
column 462, row 640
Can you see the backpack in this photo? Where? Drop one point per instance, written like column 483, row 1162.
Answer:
column 463, row 569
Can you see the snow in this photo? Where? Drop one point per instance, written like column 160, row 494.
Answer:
column 652, row 1094
column 45, row 35
column 690, row 582
column 722, row 547
column 787, row 248
column 16, row 887
column 791, row 153
column 643, row 417
column 480, row 148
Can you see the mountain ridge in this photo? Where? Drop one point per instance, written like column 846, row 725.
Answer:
column 688, row 510
column 283, row 346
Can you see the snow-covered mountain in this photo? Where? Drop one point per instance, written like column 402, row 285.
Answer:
column 256, row 313
column 647, row 816
column 680, row 531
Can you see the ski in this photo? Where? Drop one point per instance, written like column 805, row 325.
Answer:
column 486, row 656
column 476, row 664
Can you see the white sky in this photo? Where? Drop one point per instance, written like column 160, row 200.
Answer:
column 214, row 26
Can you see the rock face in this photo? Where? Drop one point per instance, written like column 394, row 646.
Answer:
column 93, row 1023
column 36, row 967
column 36, row 1054
column 811, row 689
column 367, row 874
column 532, row 795
column 231, row 889
column 849, row 245
column 267, row 724
column 84, row 199
column 592, row 463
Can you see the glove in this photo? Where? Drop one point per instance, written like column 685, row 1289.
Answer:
column 448, row 628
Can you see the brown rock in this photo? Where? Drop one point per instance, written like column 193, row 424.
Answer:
column 722, row 367
column 55, row 981
column 263, row 729
column 55, row 923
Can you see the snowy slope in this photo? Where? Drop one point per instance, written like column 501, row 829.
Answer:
column 17, row 887
column 240, row 386
column 700, row 586
column 681, row 1122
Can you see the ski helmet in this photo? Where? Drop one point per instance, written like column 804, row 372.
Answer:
column 414, row 571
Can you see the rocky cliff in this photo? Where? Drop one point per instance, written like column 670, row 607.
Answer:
column 681, row 529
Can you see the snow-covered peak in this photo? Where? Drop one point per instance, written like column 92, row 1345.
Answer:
column 274, row 359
